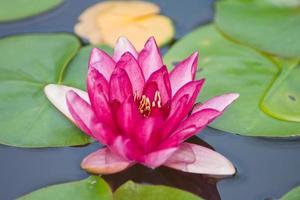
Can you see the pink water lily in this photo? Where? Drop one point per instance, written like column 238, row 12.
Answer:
column 142, row 113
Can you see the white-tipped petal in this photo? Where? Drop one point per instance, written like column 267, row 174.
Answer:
column 103, row 161
column 194, row 158
column 123, row 45
column 57, row 96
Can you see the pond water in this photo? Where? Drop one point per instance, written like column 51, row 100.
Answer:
column 267, row 168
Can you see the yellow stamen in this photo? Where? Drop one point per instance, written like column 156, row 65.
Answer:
column 159, row 104
column 157, row 99
column 153, row 103
column 145, row 104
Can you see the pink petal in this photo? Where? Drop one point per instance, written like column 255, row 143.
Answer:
column 119, row 146
column 131, row 66
column 149, row 58
column 190, row 90
column 103, row 133
column 193, row 158
column 57, row 96
column 128, row 117
column 95, row 78
column 86, row 119
column 181, row 105
column 157, row 158
column 122, row 46
column 147, row 132
column 190, row 126
column 102, row 62
column 184, row 72
column 101, row 106
column 199, row 119
column 175, row 117
column 126, row 148
column 119, row 86
column 159, row 81
column 103, row 161
column 143, row 127
column 98, row 88
column 218, row 103
column 81, row 112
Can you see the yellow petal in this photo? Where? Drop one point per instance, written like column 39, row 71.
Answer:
column 137, row 20
column 140, row 30
column 122, row 12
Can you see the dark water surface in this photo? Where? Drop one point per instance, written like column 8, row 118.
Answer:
column 267, row 168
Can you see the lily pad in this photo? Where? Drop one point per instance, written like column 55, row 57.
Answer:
column 92, row 188
column 132, row 191
column 95, row 187
column 268, row 25
column 231, row 67
column 283, row 98
column 294, row 194
column 19, row 9
column 27, row 64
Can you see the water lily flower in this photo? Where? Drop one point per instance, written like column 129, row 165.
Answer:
column 141, row 113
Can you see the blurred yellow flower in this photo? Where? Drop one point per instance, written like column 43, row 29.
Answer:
column 105, row 22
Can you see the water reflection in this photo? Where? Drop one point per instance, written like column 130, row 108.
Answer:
column 200, row 185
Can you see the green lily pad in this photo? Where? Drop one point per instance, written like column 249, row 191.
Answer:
column 27, row 64
column 284, row 3
column 19, row 9
column 92, row 188
column 95, row 187
column 294, row 194
column 132, row 191
column 266, row 25
column 283, row 98
column 232, row 67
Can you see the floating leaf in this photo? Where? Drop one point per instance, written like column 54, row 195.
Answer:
column 231, row 67
column 96, row 188
column 294, row 194
column 27, row 64
column 132, row 191
column 264, row 25
column 19, row 9
column 92, row 188
column 284, row 3
column 283, row 98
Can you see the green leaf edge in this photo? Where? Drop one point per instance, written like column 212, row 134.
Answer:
column 59, row 80
column 90, row 179
column 269, row 57
column 28, row 16
column 131, row 186
column 128, row 187
column 293, row 194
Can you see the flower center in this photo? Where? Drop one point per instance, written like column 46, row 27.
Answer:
column 145, row 105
